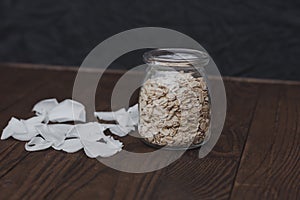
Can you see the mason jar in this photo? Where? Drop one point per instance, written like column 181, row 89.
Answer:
column 174, row 101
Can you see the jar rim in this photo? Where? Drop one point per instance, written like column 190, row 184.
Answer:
column 176, row 57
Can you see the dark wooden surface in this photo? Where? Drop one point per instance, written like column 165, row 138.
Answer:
column 256, row 157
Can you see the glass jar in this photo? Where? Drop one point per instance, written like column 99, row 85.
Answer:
column 174, row 101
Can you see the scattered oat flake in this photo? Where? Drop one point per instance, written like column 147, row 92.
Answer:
column 70, row 145
column 37, row 144
column 95, row 149
column 66, row 111
column 44, row 106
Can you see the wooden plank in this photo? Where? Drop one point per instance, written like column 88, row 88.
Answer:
column 56, row 175
column 270, row 167
column 22, row 109
column 16, row 83
column 213, row 176
column 13, row 153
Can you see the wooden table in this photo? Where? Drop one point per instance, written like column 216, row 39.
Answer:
column 256, row 157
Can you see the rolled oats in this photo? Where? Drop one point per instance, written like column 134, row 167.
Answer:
column 174, row 110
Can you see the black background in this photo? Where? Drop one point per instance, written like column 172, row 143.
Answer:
column 245, row 38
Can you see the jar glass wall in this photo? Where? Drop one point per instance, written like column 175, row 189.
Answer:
column 174, row 101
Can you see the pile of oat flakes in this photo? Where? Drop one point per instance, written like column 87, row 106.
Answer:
column 174, row 110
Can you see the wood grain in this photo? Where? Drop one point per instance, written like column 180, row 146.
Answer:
column 53, row 174
column 270, row 163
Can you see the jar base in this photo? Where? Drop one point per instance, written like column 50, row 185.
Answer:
column 173, row 148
